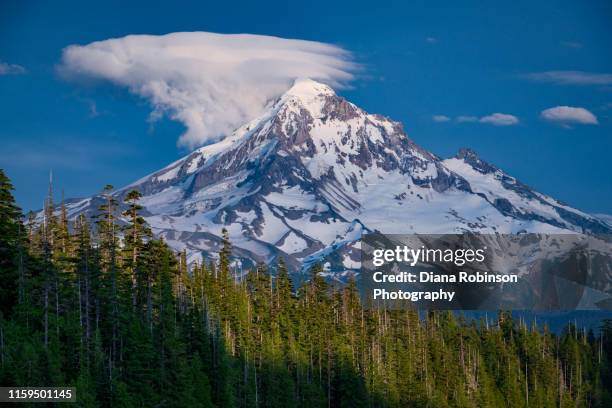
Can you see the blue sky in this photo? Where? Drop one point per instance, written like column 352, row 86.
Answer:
column 419, row 60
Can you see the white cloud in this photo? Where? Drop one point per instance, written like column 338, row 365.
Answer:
column 11, row 69
column 431, row 40
column 212, row 83
column 466, row 119
column 567, row 114
column 440, row 118
column 571, row 77
column 499, row 119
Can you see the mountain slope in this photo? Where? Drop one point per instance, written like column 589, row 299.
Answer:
column 314, row 172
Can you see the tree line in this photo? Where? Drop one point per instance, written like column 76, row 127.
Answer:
column 108, row 308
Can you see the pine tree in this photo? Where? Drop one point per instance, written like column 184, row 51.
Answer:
column 11, row 248
column 108, row 242
column 134, row 232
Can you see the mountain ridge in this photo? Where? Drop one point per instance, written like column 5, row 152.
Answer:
column 306, row 178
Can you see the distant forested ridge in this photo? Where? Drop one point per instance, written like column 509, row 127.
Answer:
column 114, row 312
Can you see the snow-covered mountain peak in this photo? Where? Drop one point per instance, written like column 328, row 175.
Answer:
column 308, row 176
column 305, row 96
column 306, row 88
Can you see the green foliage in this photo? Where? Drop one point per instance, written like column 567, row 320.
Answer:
column 116, row 313
column 11, row 253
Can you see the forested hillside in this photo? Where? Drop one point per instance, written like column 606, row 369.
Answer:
column 114, row 312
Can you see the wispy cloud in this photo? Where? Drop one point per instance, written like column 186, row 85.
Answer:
column 500, row 119
column 566, row 115
column 571, row 77
column 11, row 69
column 466, row 119
column 496, row 119
column 92, row 108
column 431, row 40
column 572, row 44
column 212, row 83
column 440, row 118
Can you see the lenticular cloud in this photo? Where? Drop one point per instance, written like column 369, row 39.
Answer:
column 212, row 83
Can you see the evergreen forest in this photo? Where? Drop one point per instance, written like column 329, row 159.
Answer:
column 102, row 305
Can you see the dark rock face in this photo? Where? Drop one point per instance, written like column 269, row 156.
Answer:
column 339, row 109
column 472, row 158
column 504, row 206
column 591, row 225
